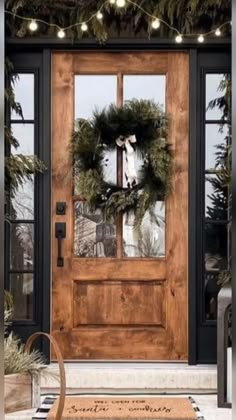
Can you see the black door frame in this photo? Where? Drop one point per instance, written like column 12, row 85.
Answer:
column 16, row 49
column 206, row 329
column 38, row 64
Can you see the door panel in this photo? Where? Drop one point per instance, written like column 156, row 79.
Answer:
column 119, row 306
column 90, row 299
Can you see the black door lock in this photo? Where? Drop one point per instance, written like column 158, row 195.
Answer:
column 60, row 208
column 60, row 233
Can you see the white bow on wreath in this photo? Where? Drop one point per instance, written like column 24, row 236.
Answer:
column 130, row 171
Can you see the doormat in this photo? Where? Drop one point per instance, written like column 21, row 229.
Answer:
column 105, row 408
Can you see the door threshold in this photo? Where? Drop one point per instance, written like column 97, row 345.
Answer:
column 133, row 365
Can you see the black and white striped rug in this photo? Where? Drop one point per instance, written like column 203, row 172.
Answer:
column 46, row 406
column 196, row 408
column 49, row 400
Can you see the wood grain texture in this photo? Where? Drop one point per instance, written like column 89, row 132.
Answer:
column 115, row 303
column 104, row 308
column 119, row 269
column 17, row 392
column 62, row 125
column 116, row 344
column 119, row 62
column 177, row 204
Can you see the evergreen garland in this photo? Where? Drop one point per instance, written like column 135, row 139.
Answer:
column 91, row 139
column 187, row 15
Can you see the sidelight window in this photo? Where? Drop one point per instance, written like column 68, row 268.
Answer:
column 22, row 208
column 216, row 206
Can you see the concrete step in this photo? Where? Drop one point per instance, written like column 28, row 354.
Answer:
column 133, row 378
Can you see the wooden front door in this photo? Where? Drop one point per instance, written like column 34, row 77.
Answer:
column 114, row 299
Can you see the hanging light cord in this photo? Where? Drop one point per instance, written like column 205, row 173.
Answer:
column 155, row 21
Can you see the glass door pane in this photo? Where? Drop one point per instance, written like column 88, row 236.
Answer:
column 149, row 240
column 93, row 237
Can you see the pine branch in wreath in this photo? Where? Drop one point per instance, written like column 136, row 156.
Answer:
column 139, row 126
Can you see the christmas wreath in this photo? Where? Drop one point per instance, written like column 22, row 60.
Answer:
column 140, row 129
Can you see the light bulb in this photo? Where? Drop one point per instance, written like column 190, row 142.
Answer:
column 33, row 26
column 84, row 27
column 179, row 38
column 156, row 24
column 201, row 38
column 112, row 1
column 61, row 34
column 99, row 15
column 120, row 3
column 218, row 32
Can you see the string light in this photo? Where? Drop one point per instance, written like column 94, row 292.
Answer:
column 120, row 3
column 61, row 34
column 154, row 21
column 99, row 15
column 156, row 24
column 84, row 27
column 201, row 39
column 33, row 26
column 179, row 38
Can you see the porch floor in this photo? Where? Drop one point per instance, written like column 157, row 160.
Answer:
column 142, row 379
column 206, row 403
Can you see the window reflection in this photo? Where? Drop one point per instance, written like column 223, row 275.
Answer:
column 24, row 133
column 24, row 94
column 212, row 92
column 152, row 87
column 215, row 247
column 211, row 292
column 216, row 135
column 90, row 232
column 216, row 198
column 22, row 288
column 21, row 208
column 92, row 236
column 216, row 235
column 93, row 91
column 149, row 240
column 97, row 92
column 216, row 261
column 22, row 246
column 22, row 204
